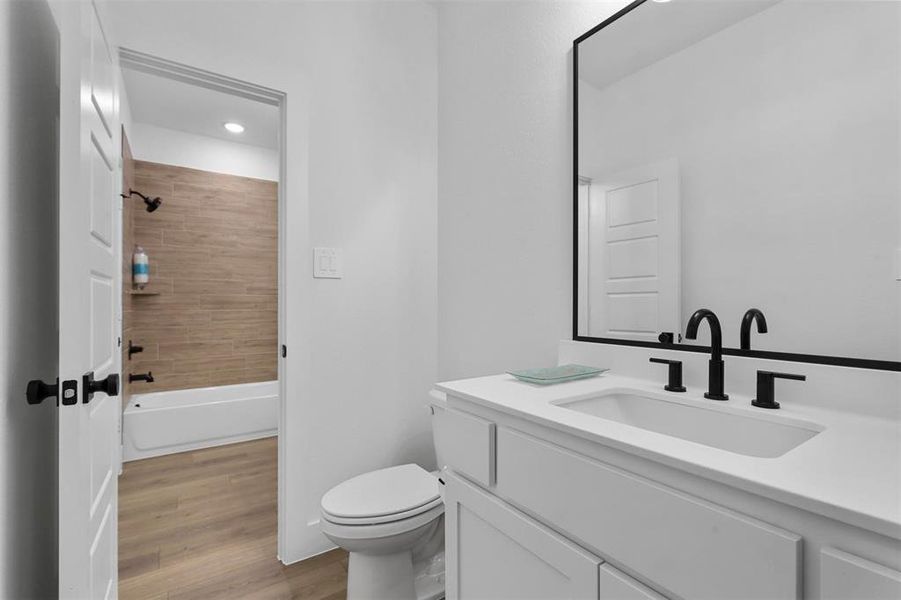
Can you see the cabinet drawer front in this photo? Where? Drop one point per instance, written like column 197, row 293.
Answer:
column 467, row 443
column 616, row 585
column 844, row 576
column 683, row 544
column 495, row 552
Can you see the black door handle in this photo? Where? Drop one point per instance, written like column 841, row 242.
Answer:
column 37, row 391
column 109, row 386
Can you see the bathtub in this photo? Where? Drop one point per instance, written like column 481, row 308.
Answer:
column 158, row 423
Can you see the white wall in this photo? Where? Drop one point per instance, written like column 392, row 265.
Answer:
column 361, row 85
column 28, row 298
column 789, row 168
column 182, row 149
column 505, row 181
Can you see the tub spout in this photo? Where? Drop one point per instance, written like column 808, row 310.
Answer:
column 145, row 377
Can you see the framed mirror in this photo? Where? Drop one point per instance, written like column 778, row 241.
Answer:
column 738, row 155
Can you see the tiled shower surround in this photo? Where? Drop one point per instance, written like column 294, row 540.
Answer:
column 209, row 315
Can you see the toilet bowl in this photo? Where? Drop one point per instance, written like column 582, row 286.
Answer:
column 391, row 522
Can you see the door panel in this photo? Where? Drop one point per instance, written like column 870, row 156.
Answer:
column 101, row 325
column 88, row 440
column 102, row 178
column 631, row 253
column 102, row 77
column 101, row 460
column 102, row 577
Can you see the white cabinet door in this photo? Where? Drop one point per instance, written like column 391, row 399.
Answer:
column 844, row 576
column 495, row 552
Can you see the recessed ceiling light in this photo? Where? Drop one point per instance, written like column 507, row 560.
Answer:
column 234, row 127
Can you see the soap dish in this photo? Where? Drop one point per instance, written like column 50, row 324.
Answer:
column 551, row 375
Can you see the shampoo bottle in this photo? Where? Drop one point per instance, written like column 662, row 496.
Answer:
column 140, row 268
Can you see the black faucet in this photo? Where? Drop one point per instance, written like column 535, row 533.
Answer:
column 716, row 373
column 752, row 314
column 146, row 377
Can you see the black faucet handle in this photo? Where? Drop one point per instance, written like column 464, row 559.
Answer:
column 665, row 361
column 776, row 375
column 674, row 379
column 766, row 387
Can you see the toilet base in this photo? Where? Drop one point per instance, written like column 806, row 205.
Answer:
column 380, row 577
column 392, row 577
column 429, row 577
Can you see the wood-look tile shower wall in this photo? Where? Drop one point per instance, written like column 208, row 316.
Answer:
column 212, row 247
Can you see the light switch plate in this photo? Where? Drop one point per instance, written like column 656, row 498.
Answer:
column 327, row 263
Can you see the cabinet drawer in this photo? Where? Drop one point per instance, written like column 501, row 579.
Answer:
column 466, row 443
column 680, row 543
column 616, row 585
column 844, row 576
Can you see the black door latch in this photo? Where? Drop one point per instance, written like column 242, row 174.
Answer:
column 37, row 391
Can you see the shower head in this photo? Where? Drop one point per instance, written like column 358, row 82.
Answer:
column 152, row 203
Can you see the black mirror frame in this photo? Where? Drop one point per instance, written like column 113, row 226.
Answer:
column 841, row 361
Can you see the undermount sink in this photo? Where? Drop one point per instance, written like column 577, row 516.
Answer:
column 716, row 427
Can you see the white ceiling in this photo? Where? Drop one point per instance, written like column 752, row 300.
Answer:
column 654, row 31
column 193, row 109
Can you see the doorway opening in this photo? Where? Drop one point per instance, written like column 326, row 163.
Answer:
column 201, row 320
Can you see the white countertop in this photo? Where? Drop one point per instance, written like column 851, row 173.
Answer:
column 850, row 471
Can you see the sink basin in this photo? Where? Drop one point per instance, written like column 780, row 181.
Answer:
column 715, row 427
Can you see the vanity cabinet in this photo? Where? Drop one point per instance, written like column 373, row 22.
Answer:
column 533, row 512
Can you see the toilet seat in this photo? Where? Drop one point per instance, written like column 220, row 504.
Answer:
column 383, row 496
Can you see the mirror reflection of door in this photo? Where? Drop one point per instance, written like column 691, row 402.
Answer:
column 631, row 253
column 785, row 120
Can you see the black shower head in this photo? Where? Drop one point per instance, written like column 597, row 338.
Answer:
column 152, row 203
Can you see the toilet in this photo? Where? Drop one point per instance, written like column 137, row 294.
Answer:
column 391, row 521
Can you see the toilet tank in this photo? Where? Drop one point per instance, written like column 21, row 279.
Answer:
column 438, row 404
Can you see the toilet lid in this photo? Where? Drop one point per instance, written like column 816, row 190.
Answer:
column 381, row 493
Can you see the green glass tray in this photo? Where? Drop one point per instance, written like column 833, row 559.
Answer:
column 551, row 375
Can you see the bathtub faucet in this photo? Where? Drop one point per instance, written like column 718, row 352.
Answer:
column 147, row 377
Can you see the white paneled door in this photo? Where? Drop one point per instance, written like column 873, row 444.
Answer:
column 89, row 230
column 634, row 263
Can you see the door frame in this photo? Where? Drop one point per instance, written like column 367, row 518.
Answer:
column 160, row 67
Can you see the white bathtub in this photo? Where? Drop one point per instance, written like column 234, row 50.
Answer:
column 160, row 423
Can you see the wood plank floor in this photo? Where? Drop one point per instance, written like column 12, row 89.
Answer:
column 202, row 524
